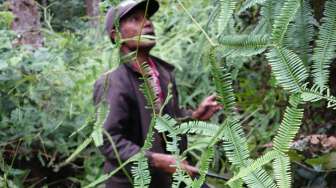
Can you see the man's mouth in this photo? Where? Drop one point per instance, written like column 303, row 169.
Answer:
column 149, row 33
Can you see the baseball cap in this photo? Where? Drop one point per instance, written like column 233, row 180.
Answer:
column 118, row 12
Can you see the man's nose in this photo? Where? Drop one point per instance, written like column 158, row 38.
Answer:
column 147, row 23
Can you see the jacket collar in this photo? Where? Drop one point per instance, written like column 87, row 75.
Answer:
column 158, row 62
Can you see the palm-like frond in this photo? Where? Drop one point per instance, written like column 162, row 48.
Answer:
column 199, row 128
column 288, row 68
column 301, row 32
column 289, row 126
column 101, row 115
column 149, row 138
column 259, row 178
column 257, row 164
column 206, row 158
column 226, row 11
column 282, row 173
column 244, row 45
column 282, row 21
column 167, row 124
column 250, row 3
column 223, row 84
column 315, row 94
column 147, row 88
column 324, row 51
column 235, row 144
column 141, row 173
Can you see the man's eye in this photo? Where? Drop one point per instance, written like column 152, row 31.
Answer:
column 132, row 19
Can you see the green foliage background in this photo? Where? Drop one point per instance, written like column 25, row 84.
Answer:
column 46, row 107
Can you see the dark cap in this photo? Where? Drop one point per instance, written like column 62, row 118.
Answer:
column 115, row 13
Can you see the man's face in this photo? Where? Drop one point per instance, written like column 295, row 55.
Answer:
column 133, row 25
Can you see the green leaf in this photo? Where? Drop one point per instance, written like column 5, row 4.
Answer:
column 325, row 48
column 282, row 21
column 244, row 45
column 282, row 172
column 268, row 157
column 288, row 68
column 289, row 126
column 226, row 11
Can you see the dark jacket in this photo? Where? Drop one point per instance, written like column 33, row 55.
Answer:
column 128, row 119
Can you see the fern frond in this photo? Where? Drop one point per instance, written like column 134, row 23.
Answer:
column 235, row 144
column 250, row 3
column 324, row 51
column 282, row 173
column 301, row 32
column 236, row 150
column 101, row 115
column 140, row 172
column 167, row 124
column 206, row 158
column 149, row 138
column 244, row 45
column 259, row 178
column 288, row 68
column 289, row 126
column 315, row 94
column 223, row 83
column 147, row 88
column 225, row 13
column 282, row 21
column 258, row 163
column 199, row 128
column 219, row 135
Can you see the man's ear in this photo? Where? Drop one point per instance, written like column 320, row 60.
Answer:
column 113, row 35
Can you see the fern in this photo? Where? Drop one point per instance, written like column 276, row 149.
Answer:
column 244, row 45
column 97, row 133
column 288, row 68
column 205, row 162
column 259, row 178
column 301, row 32
column 140, row 169
column 250, row 3
column 235, row 144
column 325, row 45
column 199, row 128
column 140, row 172
column 289, row 126
column 167, row 124
column 282, row 21
column 282, row 172
column 269, row 156
column 148, row 89
column 226, row 10
column 315, row 94
column 223, row 84
column 236, row 150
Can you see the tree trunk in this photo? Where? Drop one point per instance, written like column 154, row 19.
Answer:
column 27, row 22
column 92, row 11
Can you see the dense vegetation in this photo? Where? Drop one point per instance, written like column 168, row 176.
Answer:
column 269, row 61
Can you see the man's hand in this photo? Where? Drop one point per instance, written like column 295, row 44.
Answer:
column 167, row 163
column 206, row 109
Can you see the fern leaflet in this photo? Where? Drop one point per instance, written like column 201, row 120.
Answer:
column 288, row 68
column 289, row 126
column 282, row 173
column 324, row 51
column 281, row 22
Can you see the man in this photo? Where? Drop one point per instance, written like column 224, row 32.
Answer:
column 128, row 119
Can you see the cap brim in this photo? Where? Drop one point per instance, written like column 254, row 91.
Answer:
column 153, row 7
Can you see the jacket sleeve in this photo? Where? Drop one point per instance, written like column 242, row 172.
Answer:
column 117, row 120
column 182, row 113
